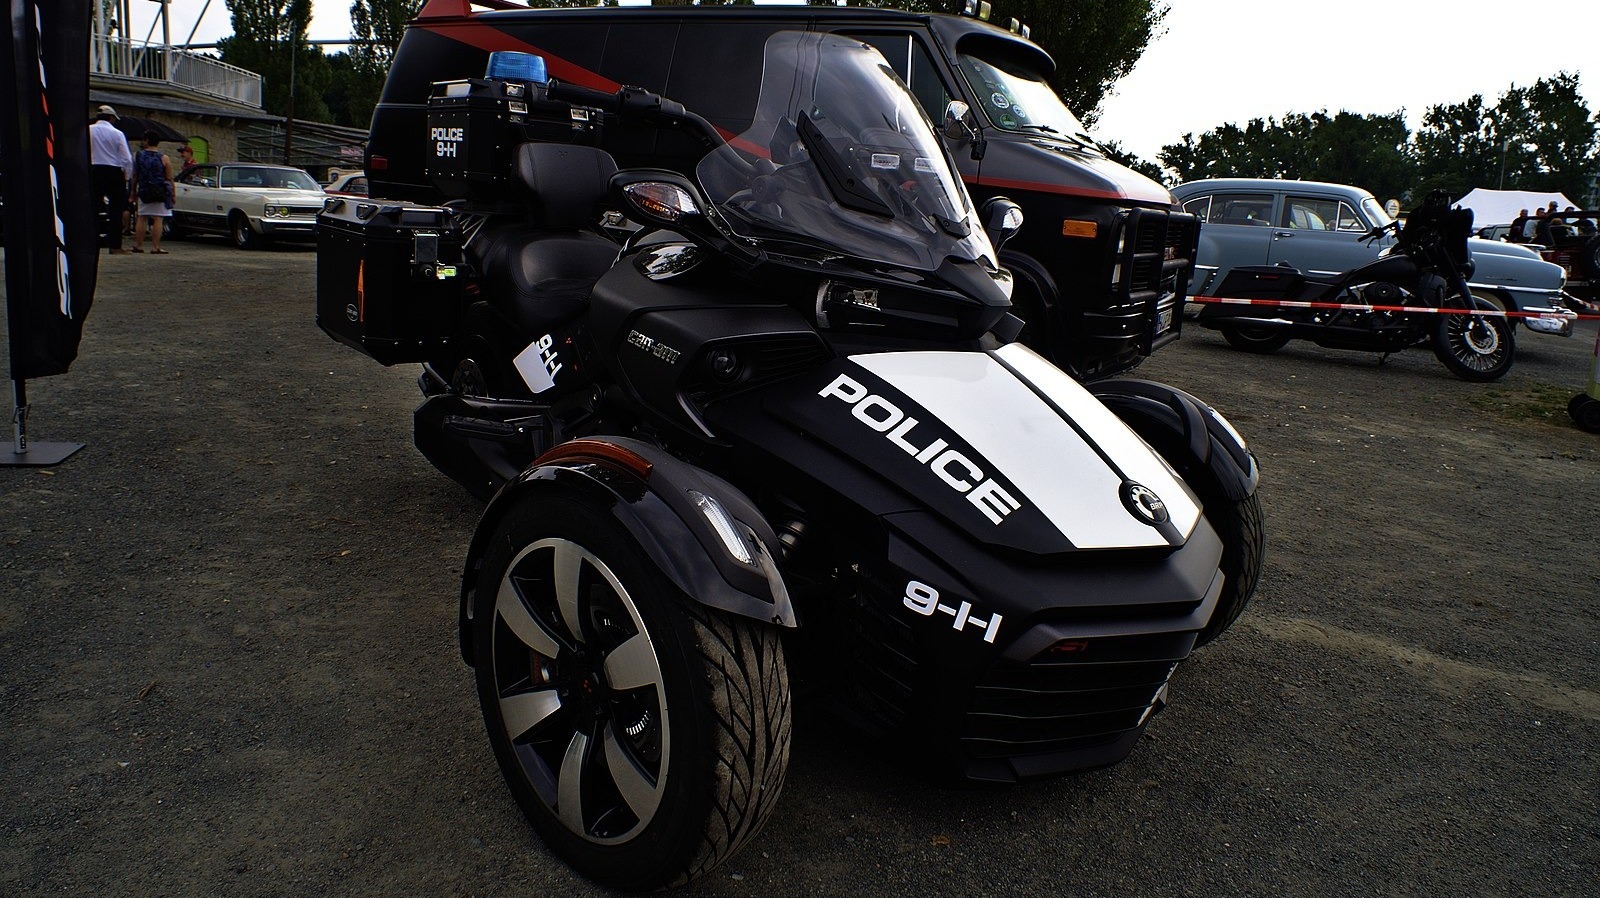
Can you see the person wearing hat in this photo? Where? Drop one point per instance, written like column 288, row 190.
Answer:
column 110, row 167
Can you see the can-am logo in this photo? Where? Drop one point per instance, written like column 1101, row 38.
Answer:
column 953, row 468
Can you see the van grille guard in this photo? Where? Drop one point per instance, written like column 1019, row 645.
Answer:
column 1156, row 263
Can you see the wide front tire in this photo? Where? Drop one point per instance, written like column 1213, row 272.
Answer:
column 1259, row 338
column 1478, row 348
column 644, row 736
column 1244, row 543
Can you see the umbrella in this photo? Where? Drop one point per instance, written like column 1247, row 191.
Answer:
column 136, row 128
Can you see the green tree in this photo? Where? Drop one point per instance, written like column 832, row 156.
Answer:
column 1540, row 137
column 1560, row 135
column 376, row 28
column 1145, row 167
column 269, row 38
column 1370, row 151
column 1459, row 147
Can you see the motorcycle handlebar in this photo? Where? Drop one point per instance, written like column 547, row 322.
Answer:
column 637, row 103
column 584, row 96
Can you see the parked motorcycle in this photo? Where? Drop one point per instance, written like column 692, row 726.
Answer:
column 1426, row 269
column 784, row 432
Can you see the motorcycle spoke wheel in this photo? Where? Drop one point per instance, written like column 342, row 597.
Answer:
column 1475, row 347
column 580, row 691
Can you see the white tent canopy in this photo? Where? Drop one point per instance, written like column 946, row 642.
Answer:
column 1492, row 207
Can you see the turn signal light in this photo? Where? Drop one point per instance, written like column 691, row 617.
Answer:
column 1074, row 227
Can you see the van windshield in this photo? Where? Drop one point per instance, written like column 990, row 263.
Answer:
column 841, row 158
column 1017, row 99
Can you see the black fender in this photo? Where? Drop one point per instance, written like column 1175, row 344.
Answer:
column 1170, row 418
column 648, row 491
column 1027, row 272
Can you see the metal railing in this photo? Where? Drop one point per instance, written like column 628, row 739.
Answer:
column 122, row 58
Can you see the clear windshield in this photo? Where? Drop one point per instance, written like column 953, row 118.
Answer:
column 271, row 178
column 841, row 158
column 1015, row 99
column 1375, row 213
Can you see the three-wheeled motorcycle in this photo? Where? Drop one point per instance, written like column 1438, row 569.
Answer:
column 776, row 438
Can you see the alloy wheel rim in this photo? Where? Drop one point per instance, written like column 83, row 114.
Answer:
column 580, row 691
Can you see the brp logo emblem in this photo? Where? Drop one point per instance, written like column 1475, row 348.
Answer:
column 1145, row 505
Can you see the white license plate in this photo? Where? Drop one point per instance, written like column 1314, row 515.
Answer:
column 1163, row 321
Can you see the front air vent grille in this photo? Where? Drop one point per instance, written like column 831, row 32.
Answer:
column 755, row 362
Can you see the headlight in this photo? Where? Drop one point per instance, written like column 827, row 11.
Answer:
column 277, row 211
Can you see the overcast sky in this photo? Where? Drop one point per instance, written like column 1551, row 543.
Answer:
column 1225, row 61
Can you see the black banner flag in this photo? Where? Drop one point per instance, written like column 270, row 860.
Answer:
column 50, row 245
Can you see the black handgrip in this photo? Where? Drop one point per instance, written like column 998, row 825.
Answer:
column 584, row 96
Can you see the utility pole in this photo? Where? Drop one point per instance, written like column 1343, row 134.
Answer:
column 288, row 122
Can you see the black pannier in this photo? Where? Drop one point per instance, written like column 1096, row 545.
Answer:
column 475, row 125
column 390, row 278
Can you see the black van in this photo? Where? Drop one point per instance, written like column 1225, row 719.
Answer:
column 1102, row 265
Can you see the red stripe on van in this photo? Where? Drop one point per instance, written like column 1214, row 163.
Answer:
column 1007, row 184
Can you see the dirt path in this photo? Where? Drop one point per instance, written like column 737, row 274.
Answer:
column 228, row 664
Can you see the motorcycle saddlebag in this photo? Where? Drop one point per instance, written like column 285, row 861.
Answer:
column 390, row 280
column 1261, row 282
column 476, row 124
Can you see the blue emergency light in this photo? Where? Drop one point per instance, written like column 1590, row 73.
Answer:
column 515, row 65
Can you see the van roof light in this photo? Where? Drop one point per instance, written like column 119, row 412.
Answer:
column 977, row 9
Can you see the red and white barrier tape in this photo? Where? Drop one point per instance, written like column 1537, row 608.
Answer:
column 1356, row 307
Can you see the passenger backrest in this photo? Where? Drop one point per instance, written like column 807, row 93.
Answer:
column 565, row 182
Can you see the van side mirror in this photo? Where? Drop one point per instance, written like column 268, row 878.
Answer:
column 958, row 123
column 1002, row 219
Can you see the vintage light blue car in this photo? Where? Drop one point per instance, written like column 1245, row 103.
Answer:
column 1317, row 228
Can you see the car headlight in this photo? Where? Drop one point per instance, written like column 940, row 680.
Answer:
column 277, row 211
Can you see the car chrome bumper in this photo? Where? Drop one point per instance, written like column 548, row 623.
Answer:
column 1559, row 322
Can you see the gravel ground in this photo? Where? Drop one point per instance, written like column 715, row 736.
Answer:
column 228, row 661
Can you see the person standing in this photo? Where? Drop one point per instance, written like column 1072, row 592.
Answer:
column 185, row 159
column 110, row 167
column 153, row 188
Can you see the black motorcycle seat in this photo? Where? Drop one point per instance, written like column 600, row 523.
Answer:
column 539, row 271
column 565, row 183
column 538, row 278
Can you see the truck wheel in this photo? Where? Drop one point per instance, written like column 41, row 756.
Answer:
column 644, row 736
column 1263, row 339
column 1478, row 348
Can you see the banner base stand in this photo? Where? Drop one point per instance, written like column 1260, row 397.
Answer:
column 26, row 453
column 38, row 455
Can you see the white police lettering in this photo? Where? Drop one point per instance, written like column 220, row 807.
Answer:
column 446, row 140
column 951, row 466
column 924, row 600
column 547, row 354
